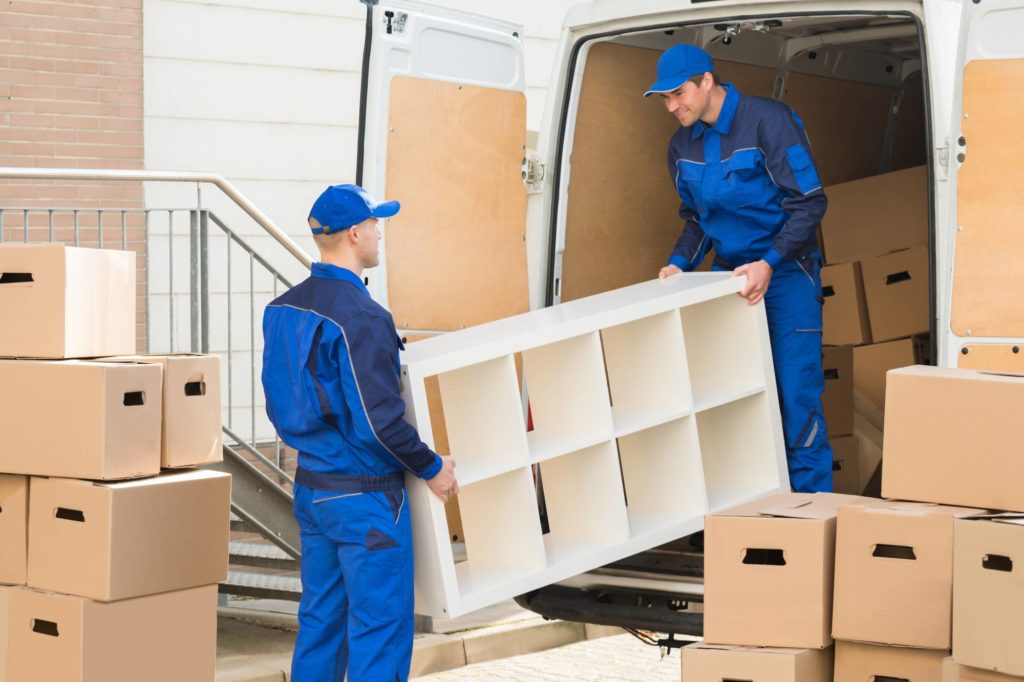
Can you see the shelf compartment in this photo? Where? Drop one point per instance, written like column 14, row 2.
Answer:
column 483, row 417
column 663, row 476
column 583, row 496
column 647, row 373
column 738, row 444
column 502, row 529
column 568, row 394
column 722, row 354
column 718, row 397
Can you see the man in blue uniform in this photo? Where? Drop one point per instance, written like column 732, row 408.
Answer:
column 331, row 378
column 743, row 168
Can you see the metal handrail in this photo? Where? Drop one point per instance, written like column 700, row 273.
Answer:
column 15, row 173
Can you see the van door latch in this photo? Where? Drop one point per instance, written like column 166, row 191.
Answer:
column 394, row 22
column 533, row 170
column 942, row 156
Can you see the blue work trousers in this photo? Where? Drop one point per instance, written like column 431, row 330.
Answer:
column 793, row 307
column 356, row 613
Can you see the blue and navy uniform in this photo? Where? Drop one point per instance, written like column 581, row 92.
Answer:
column 331, row 377
column 750, row 189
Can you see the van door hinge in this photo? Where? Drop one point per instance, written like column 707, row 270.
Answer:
column 394, row 22
column 942, row 161
column 533, row 171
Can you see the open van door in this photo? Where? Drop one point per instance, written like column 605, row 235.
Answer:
column 445, row 134
column 986, row 313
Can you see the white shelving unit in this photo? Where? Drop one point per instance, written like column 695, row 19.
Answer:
column 650, row 405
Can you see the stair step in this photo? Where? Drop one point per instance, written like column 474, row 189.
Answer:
column 261, row 554
column 238, row 525
column 263, row 585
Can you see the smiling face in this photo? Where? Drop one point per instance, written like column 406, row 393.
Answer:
column 689, row 102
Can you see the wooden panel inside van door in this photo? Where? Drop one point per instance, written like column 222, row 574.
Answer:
column 988, row 275
column 456, row 254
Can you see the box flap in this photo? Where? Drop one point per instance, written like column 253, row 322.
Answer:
column 917, row 509
column 1015, row 518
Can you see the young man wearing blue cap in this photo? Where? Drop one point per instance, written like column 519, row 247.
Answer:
column 749, row 188
column 331, row 378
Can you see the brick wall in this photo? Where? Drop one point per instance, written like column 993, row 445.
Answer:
column 71, row 96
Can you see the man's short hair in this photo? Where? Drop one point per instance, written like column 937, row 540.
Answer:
column 696, row 80
column 325, row 241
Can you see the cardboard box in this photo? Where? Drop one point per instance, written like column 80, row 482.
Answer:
column 869, row 437
column 896, row 287
column 768, row 571
column 714, row 663
column 131, row 538
column 856, row 662
column 80, row 419
column 988, row 592
column 846, row 465
column 876, row 215
column 169, row 637
column 191, row 407
column 952, row 436
column 845, row 311
column 837, row 400
column 5, row 600
column 953, row 672
column 870, row 363
column 13, row 529
column 894, row 573
column 64, row 302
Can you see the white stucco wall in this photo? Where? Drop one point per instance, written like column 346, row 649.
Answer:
column 266, row 93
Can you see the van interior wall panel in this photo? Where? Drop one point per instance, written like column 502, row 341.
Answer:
column 623, row 212
column 845, row 123
column 456, row 254
column 986, row 266
column 909, row 146
column 1003, row 358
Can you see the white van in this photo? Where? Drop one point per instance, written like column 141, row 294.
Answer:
column 881, row 85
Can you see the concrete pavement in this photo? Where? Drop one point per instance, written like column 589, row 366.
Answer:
column 255, row 645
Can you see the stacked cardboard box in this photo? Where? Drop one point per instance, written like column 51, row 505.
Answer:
column 768, row 576
column 111, row 565
column 922, row 577
column 876, row 298
column 837, row 401
column 894, row 589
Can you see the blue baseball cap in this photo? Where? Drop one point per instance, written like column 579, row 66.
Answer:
column 678, row 64
column 340, row 207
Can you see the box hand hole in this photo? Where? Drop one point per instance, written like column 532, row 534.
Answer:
column 45, row 627
column 894, row 552
column 828, row 290
column 15, row 277
column 195, row 388
column 69, row 514
column 764, row 557
column 831, row 374
column 997, row 562
column 134, row 398
column 897, row 277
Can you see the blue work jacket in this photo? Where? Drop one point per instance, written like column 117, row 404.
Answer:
column 748, row 185
column 331, row 377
